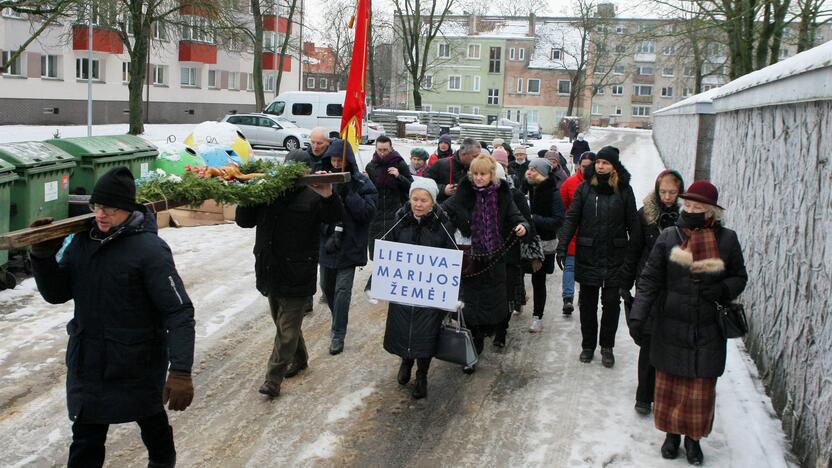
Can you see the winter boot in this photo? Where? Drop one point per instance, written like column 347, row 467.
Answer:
column 518, row 309
column 607, row 358
column 693, row 452
column 567, row 306
column 293, row 369
column 500, row 339
column 643, row 407
column 158, row 464
column 670, row 447
column 469, row 369
column 404, row 371
column 587, row 355
column 270, row 389
column 336, row 346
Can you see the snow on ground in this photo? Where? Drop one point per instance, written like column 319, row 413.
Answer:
column 532, row 404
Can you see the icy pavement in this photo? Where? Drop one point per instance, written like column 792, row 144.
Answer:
column 532, row 404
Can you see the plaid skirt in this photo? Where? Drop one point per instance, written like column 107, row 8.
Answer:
column 684, row 405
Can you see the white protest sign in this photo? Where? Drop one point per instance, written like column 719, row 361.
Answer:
column 416, row 275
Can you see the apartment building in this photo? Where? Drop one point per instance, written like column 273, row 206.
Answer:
column 194, row 75
column 319, row 69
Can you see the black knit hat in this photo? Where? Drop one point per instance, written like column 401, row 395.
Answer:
column 609, row 153
column 299, row 156
column 116, row 189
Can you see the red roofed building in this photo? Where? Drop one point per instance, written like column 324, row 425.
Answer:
column 319, row 72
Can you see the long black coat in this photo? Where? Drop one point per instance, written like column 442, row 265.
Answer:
column 411, row 331
column 579, row 147
column 547, row 215
column 132, row 318
column 484, row 295
column 605, row 221
column 447, row 171
column 390, row 200
column 686, row 338
column 517, row 172
column 286, row 243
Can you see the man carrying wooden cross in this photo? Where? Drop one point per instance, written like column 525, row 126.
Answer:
column 133, row 324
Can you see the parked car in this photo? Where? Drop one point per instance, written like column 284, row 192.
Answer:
column 310, row 109
column 533, row 131
column 269, row 130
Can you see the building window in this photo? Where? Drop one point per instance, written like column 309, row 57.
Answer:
column 668, row 71
column 599, row 90
column 642, row 90
column 198, row 28
column 555, row 54
column 620, row 29
column 453, row 109
column 475, row 110
column 476, row 83
column 564, row 87
column 187, row 77
column 667, row 92
column 427, row 83
column 519, row 85
column 427, row 107
column 689, row 71
column 620, row 49
column 617, row 90
column 532, row 116
column 443, row 50
column 494, row 60
column 250, row 82
column 14, row 68
column 511, row 53
column 618, row 70
column 533, row 86
column 641, row 111
column 159, row 31
column 234, row 80
column 685, row 92
column 646, row 47
column 596, row 109
column 49, row 66
column 669, row 50
column 212, row 78
column 82, row 69
column 616, row 110
column 160, row 74
column 646, row 28
column 784, row 53
column 474, row 51
column 125, row 72
column 601, row 28
column 600, row 70
column 322, row 83
column 521, row 54
column 310, row 82
column 508, row 113
column 494, row 97
column 454, row 83
column 268, row 82
column 670, row 29
column 644, row 70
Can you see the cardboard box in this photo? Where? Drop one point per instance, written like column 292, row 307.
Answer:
column 229, row 212
column 190, row 218
column 163, row 219
column 208, row 206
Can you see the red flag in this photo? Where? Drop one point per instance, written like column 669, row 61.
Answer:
column 354, row 105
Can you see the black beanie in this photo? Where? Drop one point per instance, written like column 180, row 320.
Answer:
column 299, row 156
column 116, row 189
column 608, row 153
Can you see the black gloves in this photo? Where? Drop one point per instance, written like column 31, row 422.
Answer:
column 333, row 243
column 560, row 259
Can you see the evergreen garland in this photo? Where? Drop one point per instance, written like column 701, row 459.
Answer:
column 194, row 190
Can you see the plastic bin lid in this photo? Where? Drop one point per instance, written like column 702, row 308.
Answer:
column 32, row 154
column 5, row 167
column 96, row 146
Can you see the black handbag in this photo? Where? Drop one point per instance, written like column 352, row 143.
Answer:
column 455, row 344
column 732, row 321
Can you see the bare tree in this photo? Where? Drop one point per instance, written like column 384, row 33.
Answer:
column 808, row 13
column 41, row 14
column 418, row 22
column 521, row 8
column 338, row 36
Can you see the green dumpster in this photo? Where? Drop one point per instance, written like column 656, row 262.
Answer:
column 7, row 176
column 97, row 155
column 42, row 188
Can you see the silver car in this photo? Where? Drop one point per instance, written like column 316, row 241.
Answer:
column 269, row 130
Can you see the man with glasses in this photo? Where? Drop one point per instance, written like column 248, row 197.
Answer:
column 133, row 324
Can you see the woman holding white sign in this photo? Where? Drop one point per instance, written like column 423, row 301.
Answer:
column 483, row 212
column 411, row 331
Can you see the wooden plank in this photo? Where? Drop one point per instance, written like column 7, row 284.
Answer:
column 28, row 236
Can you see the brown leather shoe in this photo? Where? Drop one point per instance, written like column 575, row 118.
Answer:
column 293, row 369
column 270, row 389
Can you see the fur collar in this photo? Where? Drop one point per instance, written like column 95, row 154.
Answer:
column 684, row 258
column 653, row 209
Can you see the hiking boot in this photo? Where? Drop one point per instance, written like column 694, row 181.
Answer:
column 587, row 355
column 500, row 340
column 643, row 407
column 469, row 369
column 293, row 369
column 536, row 326
column 567, row 306
column 420, row 390
column 336, row 346
column 404, row 371
column 693, row 452
column 518, row 310
column 270, row 389
column 607, row 358
column 670, row 447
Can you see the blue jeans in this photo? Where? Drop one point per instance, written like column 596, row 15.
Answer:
column 569, row 277
column 336, row 283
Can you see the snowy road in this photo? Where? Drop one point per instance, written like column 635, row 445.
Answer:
column 533, row 404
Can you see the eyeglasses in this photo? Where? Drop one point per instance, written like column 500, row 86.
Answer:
column 94, row 207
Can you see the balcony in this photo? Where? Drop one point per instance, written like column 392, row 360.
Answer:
column 275, row 23
column 645, row 57
column 190, row 51
column 641, row 99
column 644, row 79
column 103, row 40
column 271, row 60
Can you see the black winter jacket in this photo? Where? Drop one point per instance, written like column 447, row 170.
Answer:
column 132, row 318
column 359, row 197
column 517, row 171
column 484, row 295
column 447, row 171
column 605, row 221
column 412, row 331
column 546, row 208
column 686, row 339
column 390, row 200
column 578, row 148
column 287, row 240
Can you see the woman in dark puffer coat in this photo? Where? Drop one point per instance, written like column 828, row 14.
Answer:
column 390, row 174
column 412, row 331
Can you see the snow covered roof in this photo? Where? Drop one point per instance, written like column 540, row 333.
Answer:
column 559, row 35
column 804, row 77
column 487, row 28
column 697, row 104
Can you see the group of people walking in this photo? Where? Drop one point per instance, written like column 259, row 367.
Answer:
column 510, row 215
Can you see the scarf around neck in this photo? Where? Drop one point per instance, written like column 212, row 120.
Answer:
column 382, row 179
column 485, row 223
column 700, row 251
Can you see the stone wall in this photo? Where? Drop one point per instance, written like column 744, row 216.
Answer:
column 776, row 183
column 675, row 138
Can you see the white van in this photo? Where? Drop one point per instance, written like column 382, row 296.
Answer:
column 310, row 109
